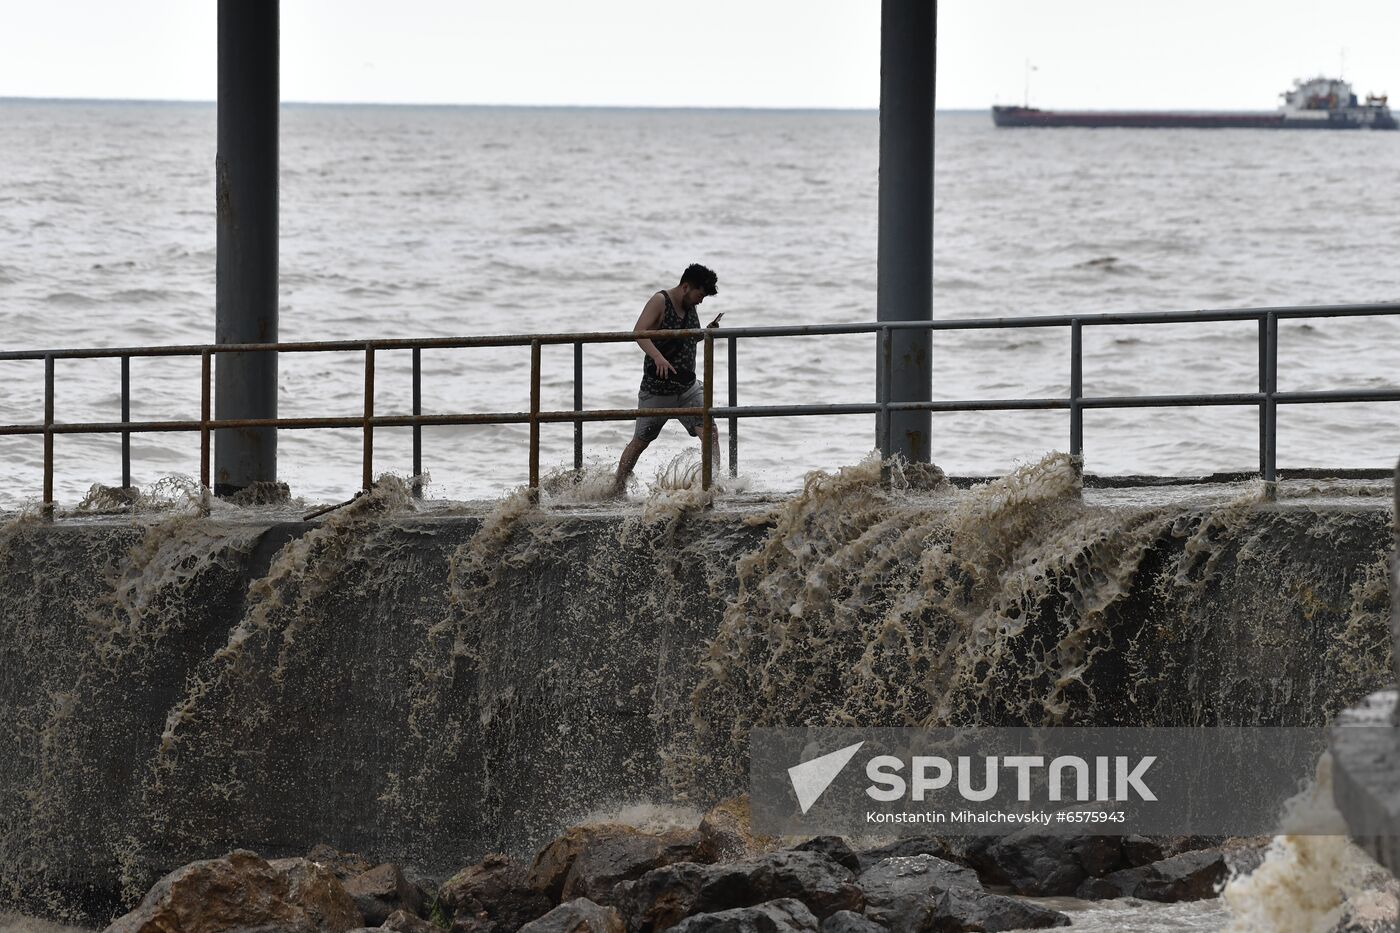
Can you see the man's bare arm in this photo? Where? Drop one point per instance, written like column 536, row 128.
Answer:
column 649, row 319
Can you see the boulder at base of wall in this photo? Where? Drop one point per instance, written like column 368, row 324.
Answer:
column 962, row 910
column 382, row 890
column 345, row 865
column 316, row 889
column 834, row 848
column 242, row 891
column 848, row 921
column 912, row 894
column 1043, row 864
column 493, row 894
column 662, row 898
column 589, row 861
column 786, row 915
column 906, row 846
column 577, row 916
column 401, row 921
column 726, row 832
column 1191, row 876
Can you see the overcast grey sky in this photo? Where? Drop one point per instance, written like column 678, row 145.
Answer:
column 747, row 53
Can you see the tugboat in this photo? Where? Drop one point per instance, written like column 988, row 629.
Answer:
column 1318, row 104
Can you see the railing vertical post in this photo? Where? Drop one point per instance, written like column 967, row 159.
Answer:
column 534, row 419
column 126, row 417
column 417, row 428
column 578, row 404
column 707, row 452
column 48, row 437
column 887, row 354
column 1271, row 407
column 1263, row 392
column 733, row 403
column 206, row 366
column 367, row 473
column 1076, row 389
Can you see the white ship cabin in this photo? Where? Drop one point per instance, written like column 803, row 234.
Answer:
column 1316, row 98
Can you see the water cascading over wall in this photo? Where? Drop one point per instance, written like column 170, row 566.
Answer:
column 427, row 687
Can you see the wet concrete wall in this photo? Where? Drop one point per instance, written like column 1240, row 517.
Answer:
column 427, row 688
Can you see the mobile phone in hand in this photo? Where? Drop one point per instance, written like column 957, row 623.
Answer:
column 715, row 322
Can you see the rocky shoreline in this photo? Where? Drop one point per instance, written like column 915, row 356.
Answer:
column 715, row 878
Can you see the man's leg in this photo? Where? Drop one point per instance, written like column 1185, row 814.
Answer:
column 630, row 453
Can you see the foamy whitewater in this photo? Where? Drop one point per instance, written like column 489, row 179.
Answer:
column 438, row 221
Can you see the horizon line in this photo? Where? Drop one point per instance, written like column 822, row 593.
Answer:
column 440, row 104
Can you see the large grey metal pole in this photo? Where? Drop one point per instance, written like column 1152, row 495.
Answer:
column 246, row 289
column 908, row 37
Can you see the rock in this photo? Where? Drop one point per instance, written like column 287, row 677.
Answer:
column 401, row 921
column 963, row 909
column 1097, row 889
column 786, row 915
column 240, row 890
column 901, row 892
column 908, row 846
column 1191, row 876
column 345, row 865
column 726, row 832
column 1044, row 864
column 601, row 867
column 848, row 921
column 663, row 897
column 551, row 865
column 922, row 893
column 1143, row 850
column 474, row 920
column 494, row 893
column 315, row 888
column 835, row 848
column 382, row 890
column 577, row 916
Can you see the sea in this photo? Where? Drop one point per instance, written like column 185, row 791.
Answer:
column 415, row 221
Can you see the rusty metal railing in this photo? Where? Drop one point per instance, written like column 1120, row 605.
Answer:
column 1267, row 399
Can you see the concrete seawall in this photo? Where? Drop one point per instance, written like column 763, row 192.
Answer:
column 425, row 688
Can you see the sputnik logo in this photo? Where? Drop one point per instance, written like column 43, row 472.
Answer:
column 811, row 778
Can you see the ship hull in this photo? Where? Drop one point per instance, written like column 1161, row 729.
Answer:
column 1030, row 116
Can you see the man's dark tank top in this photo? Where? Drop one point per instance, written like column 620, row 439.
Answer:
column 679, row 353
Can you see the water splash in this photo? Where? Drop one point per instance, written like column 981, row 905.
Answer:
column 1312, row 876
column 1016, row 603
column 481, row 643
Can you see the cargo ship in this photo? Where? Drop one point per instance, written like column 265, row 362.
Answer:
column 1317, row 104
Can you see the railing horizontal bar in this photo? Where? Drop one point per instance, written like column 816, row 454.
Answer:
column 802, row 330
column 779, row 411
column 1338, row 395
column 749, row 411
column 1170, row 401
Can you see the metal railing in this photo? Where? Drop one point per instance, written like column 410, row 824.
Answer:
column 1267, row 399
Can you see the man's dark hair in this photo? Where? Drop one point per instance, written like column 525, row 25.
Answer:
column 702, row 278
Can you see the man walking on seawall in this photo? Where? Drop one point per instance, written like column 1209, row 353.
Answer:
column 668, row 372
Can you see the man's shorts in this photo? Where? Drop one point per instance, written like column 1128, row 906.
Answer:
column 649, row 426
